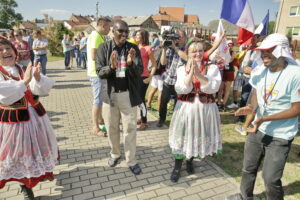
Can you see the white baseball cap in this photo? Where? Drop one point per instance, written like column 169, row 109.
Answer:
column 281, row 44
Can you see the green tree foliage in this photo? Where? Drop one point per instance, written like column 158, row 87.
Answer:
column 8, row 16
column 271, row 27
column 54, row 33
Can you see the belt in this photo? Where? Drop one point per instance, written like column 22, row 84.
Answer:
column 119, row 91
column 41, row 55
column 203, row 97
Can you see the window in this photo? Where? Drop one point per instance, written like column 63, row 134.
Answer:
column 295, row 31
column 295, row 11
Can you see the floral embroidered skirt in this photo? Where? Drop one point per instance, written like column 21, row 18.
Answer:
column 195, row 130
column 28, row 151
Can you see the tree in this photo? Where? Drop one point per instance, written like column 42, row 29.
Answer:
column 8, row 16
column 54, row 33
column 271, row 27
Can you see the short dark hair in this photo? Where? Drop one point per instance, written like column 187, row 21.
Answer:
column 119, row 21
column 103, row 20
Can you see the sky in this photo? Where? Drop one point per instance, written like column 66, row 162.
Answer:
column 207, row 10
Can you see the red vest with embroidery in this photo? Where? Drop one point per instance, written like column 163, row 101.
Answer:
column 203, row 97
column 18, row 111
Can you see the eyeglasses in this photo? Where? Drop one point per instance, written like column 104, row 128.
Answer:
column 123, row 31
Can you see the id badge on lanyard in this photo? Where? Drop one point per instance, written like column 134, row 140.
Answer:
column 121, row 69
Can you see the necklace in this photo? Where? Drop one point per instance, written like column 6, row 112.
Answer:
column 266, row 97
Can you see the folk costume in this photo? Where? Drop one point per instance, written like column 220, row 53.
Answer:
column 28, row 147
column 195, row 126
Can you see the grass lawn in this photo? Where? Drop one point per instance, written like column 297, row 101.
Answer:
column 231, row 160
column 54, row 58
column 298, row 54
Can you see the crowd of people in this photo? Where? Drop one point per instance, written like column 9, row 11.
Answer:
column 188, row 69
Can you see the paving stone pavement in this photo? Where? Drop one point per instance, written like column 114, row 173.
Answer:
column 82, row 172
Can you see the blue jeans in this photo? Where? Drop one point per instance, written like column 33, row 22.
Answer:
column 96, row 84
column 67, row 58
column 77, row 57
column 83, row 59
column 43, row 60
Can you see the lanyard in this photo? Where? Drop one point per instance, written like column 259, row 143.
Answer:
column 265, row 95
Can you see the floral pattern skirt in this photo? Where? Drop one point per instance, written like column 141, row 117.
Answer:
column 28, row 151
column 195, row 130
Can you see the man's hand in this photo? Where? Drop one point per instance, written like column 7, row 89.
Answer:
column 114, row 59
column 28, row 74
column 256, row 124
column 244, row 111
column 131, row 56
column 37, row 71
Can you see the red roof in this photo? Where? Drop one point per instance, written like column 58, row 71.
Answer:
column 176, row 14
column 191, row 19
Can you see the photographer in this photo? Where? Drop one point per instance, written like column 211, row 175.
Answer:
column 173, row 55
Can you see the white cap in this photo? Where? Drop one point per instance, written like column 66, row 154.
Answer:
column 281, row 44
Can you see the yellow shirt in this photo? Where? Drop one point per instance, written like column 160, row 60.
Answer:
column 95, row 39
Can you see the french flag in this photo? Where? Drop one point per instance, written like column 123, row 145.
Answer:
column 239, row 12
column 263, row 27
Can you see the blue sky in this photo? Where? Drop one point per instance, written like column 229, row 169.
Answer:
column 207, row 10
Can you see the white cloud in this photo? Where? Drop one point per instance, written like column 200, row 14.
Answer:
column 55, row 11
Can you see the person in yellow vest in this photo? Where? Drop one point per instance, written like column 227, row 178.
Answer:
column 95, row 39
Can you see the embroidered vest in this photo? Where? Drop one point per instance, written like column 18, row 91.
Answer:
column 203, row 97
column 18, row 112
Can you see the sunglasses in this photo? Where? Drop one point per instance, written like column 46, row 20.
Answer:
column 123, row 31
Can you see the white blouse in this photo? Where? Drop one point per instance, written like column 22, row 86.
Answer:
column 214, row 81
column 12, row 90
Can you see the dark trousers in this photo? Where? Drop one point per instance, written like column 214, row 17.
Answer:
column 246, row 90
column 275, row 152
column 67, row 58
column 83, row 59
column 167, row 91
column 142, row 90
column 31, row 56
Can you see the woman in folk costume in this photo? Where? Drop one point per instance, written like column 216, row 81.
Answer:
column 28, row 147
column 195, row 126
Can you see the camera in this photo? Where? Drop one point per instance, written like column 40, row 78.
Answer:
column 169, row 37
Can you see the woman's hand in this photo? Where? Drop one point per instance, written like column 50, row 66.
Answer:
column 28, row 74
column 147, row 80
column 37, row 71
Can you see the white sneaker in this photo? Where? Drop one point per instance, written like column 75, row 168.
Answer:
column 240, row 129
column 233, row 105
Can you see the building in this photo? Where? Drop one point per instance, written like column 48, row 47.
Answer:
column 75, row 26
column 28, row 25
column 288, row 18
column 78, row 22
column 174, row 16
column 141, row 22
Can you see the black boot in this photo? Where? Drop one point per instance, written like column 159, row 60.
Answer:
column 176, row 171
column 27, row 192
column 189, row 166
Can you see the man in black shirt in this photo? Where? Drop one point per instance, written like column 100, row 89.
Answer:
column 119, row 62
